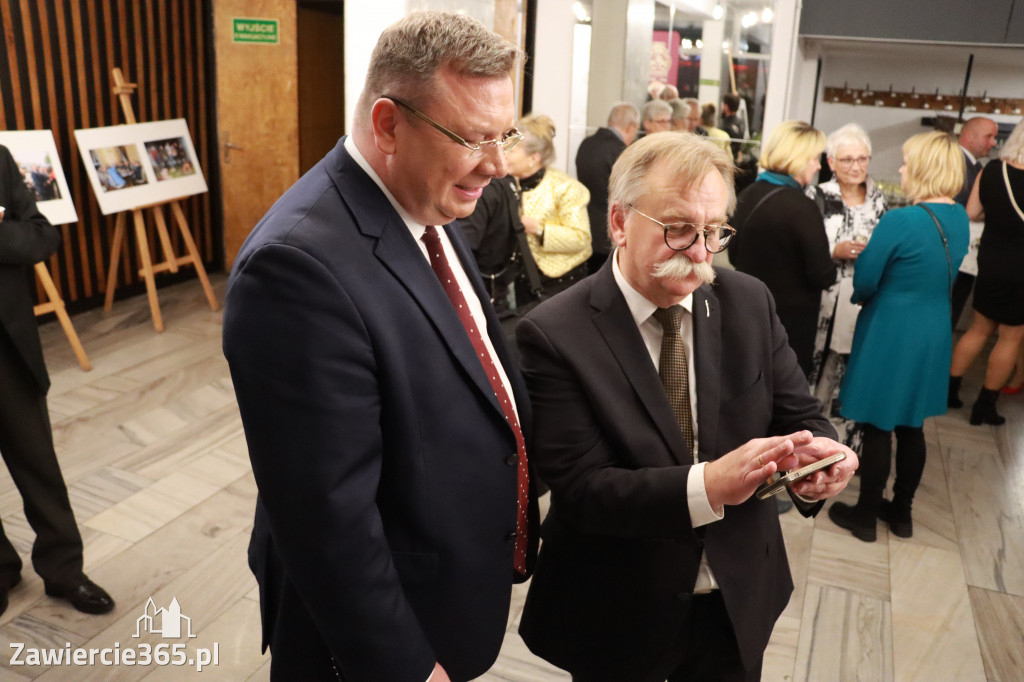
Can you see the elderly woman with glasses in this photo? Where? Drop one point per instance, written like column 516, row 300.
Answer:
column 851, row 205
column 903, row 342
column 780, row 238
column 554, row 206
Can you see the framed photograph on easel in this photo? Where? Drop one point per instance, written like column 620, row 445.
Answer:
column 36, row 155
column 131, row 166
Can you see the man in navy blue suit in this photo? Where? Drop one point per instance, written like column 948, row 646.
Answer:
column 383, row 417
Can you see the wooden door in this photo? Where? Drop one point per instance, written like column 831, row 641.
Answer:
column 257, row 113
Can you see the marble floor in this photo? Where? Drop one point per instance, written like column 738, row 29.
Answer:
column 152, row 448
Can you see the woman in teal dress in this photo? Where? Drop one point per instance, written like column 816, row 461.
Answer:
column 902, row 344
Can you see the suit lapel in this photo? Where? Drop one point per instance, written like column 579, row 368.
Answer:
column 398, row 252
column 707, row 363
column 615, row 324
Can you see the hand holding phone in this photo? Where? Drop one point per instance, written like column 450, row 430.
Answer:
column 779, row 483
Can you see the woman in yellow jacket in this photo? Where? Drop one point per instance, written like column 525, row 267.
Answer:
column 554, row 206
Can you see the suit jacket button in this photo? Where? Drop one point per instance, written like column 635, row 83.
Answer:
column 512, row 459
column 511, row 537
column 684, row 597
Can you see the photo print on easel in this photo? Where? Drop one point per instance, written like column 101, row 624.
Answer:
column 131, row 166
column 35, row 152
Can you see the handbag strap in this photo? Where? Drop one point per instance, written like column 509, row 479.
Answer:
column 763, row 199
column 522, row 244
column 945, row 245
column 1009, row 190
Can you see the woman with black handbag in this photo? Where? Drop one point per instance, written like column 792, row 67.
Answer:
column 999, row 290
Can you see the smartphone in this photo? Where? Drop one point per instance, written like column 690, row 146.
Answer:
column 777, row 485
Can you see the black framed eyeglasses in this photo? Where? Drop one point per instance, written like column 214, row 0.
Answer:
column 504, row 143
column 681, row 236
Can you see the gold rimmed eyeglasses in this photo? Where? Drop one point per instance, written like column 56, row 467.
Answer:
column 681, row 236
column 504, row 143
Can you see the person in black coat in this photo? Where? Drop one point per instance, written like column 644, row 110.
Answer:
column 491, row 233
column 26, row 439
column 594, row 160
column 780, row 236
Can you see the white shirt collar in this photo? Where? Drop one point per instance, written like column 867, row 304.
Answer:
column 639, row 307
column 357, row 156
column 970, row 156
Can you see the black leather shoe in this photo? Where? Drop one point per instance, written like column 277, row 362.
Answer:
column 84, row 595
column 6, row 584
column 846, row 516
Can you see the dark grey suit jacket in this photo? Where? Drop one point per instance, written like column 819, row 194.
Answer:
column 620, row 556
column 387, row 495
column 594, row 160
column 971, row 171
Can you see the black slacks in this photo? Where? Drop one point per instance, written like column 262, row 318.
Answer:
column 705, row 650
column 26, row 444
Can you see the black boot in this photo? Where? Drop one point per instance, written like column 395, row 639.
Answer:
column 954, row 392
column 984, row 410
column 855, row 518
column 898, row 517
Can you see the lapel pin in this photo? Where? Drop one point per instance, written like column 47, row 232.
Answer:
column 707, row 307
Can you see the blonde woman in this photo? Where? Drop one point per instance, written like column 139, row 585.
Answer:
column 997, row 196
column 554, row 206
column 902, row 345
column 780, row 238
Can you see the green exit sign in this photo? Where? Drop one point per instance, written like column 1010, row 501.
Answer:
column 256, row 31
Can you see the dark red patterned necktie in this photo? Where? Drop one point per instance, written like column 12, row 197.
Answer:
column 444, row 273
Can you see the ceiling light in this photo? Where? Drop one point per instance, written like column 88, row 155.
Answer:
column 749, row 19
column 767, row 15
column 581, row 12
column 699, row 44
column 718, row 12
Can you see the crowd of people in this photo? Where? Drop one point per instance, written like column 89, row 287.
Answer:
column 847, row 275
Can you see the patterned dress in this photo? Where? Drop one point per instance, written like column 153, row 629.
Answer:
column 842, row 223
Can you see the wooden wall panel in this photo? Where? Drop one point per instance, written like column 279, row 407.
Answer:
column 55, row 66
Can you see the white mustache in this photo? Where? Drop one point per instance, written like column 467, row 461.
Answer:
column 681, row 267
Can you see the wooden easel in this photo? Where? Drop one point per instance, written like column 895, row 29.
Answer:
column 124, row 90
column 55, row 304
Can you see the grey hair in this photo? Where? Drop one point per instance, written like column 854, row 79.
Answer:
column 622, row 114
column 655, row 107
column 687, row 158
column 410, row 52
column 849, row 134
column 1013, row 150
column 680, row 112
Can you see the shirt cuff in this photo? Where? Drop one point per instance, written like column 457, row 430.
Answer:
column 701, row 512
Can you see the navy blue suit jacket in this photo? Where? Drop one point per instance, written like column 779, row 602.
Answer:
column 386, row 494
